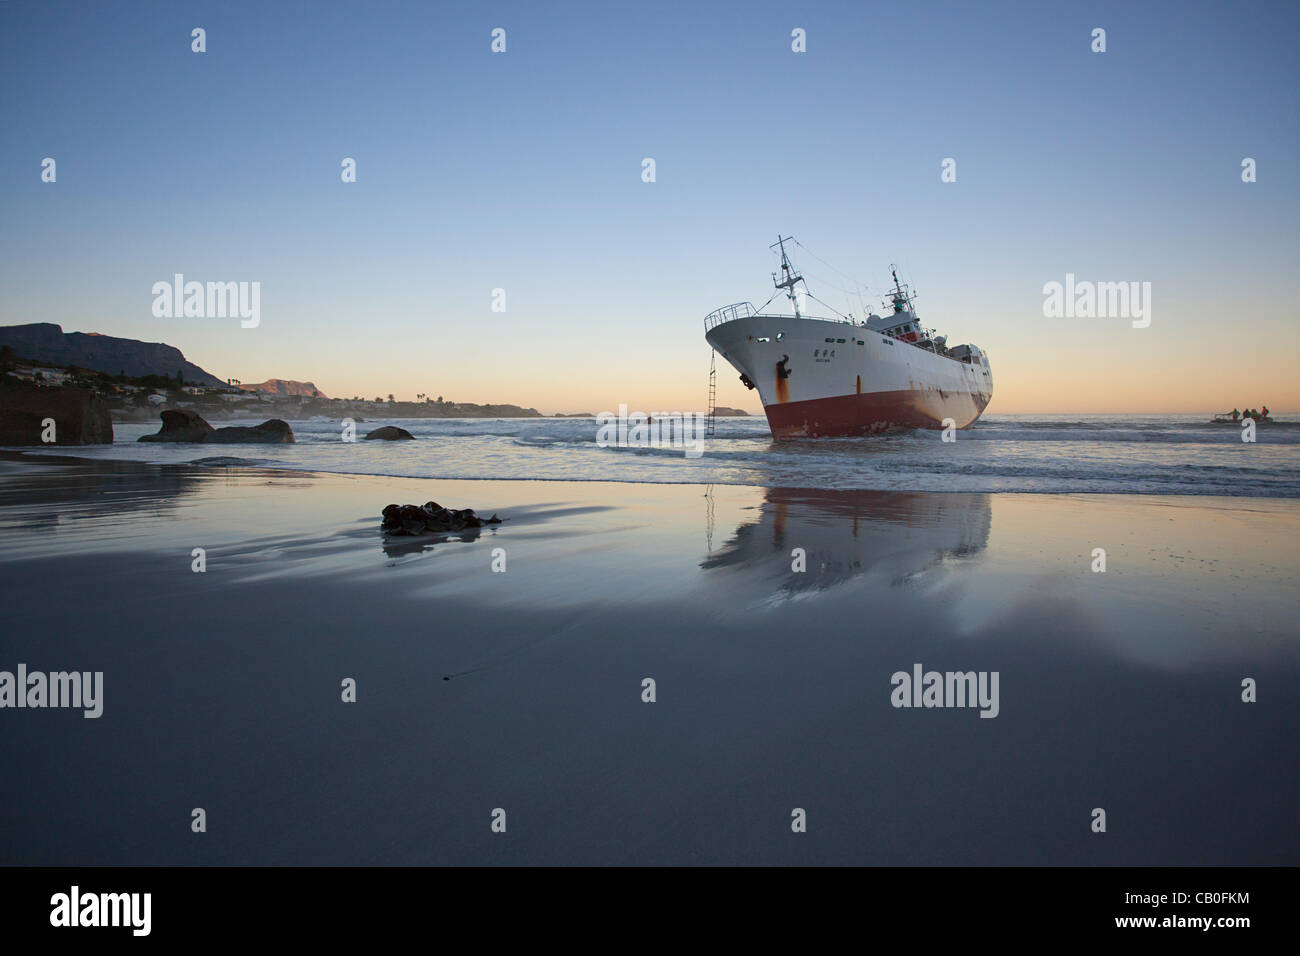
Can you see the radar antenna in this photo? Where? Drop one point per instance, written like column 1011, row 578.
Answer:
column 901, row 297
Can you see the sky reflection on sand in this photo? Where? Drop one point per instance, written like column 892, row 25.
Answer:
column 1187, row 577
column 482, row 689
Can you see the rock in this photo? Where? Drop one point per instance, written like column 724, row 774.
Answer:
column 389, row 433
column 430, row 518
column 274, row 431
column 227, row 461
column 180, row 425
column 186, row 426
column 80, row 416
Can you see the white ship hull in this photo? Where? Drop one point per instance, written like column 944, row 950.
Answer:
column 846, row 379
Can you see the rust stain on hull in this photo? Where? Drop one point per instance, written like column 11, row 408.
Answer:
column 782, row 373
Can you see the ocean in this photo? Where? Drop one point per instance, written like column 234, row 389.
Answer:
column 1051, row 454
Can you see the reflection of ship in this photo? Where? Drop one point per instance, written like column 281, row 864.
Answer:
column 845, row 534
column 825, row 377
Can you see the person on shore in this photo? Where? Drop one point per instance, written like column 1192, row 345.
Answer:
column 1236, row 415
column 1264, row 410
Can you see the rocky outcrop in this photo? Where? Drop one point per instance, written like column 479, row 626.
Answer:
column 389, row 433
column 284, row 386
column 722, row 411
column 274, row 431
column 430, row 518
column 47, row 342
column 179, row 425
column 71, row 416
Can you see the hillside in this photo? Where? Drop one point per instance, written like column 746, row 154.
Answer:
column 48, row 343
column 281, row 386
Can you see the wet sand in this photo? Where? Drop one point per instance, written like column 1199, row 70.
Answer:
column 522, row 689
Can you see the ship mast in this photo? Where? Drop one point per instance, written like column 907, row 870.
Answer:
column 788, row 276
column 901, row 299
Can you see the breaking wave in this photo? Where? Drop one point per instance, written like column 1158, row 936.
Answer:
column 1172, row 454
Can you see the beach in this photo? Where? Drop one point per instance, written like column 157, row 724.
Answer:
column 505, row 669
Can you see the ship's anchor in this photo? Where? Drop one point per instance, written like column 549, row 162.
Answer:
column 744, row 380
column 781, row 370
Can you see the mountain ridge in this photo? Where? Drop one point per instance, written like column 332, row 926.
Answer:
column 285, row 386
column 47, row 342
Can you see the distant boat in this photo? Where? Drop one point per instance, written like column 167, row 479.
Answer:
column 1226, row 419
column 820, row 377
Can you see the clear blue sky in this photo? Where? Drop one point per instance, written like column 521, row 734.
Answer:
column 522, row 171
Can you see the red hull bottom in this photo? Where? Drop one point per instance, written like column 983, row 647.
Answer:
column 845, row 415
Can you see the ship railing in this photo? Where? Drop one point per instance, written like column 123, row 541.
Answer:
column 728, row 313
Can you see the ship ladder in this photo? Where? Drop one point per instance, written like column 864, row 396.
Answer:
column 713, row 392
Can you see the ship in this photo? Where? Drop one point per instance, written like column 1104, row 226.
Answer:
column 832, row 377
